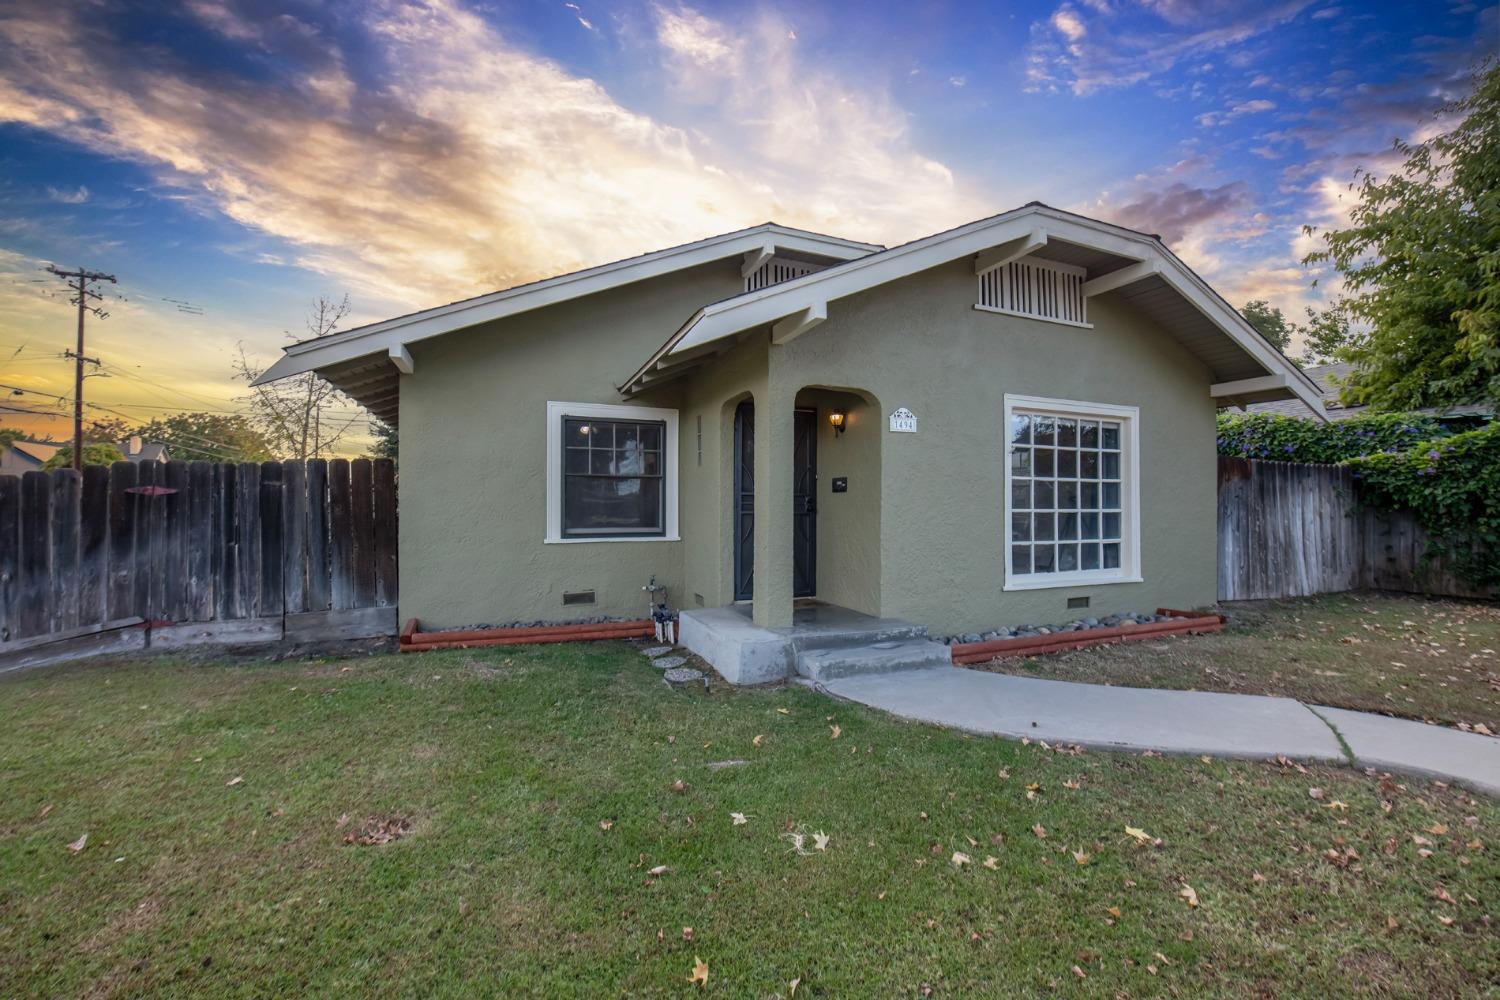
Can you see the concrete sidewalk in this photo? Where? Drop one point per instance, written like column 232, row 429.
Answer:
column 1186, row 722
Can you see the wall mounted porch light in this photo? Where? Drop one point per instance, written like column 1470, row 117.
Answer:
column 837, row 418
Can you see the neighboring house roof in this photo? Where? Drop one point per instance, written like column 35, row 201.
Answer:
column 1329, row 379
column 1244, row 365
column 135, row 451
column 29, row 455
column 364, row 362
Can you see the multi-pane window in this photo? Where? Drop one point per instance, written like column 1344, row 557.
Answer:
column 612, row 478
column 1067, row 494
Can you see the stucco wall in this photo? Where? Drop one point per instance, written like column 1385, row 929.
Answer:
column 920, row 343
column 473, row 455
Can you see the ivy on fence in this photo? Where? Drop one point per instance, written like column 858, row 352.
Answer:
column 1402, row 461
column 1453, row 485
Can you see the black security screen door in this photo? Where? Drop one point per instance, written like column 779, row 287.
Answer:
column 744, row 501
column 804, row 505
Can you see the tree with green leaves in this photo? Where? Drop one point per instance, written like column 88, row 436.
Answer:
column 387, row 440
column 1269, row 320
column 213, row 437
column 10, row 435
column 1420, row 262
column 97, row 453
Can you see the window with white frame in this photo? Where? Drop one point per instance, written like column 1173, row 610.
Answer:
column 1071, row 486
column 611, row 473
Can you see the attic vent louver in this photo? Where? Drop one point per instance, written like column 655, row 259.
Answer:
column 1042, row 289
column 776, row 270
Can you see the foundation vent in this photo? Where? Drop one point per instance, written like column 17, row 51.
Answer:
column 578, row 597
column 1078, row 602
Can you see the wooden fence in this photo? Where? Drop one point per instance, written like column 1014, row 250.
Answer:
column 1289, row 530
column 197, row 551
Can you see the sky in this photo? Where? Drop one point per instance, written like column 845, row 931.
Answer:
column 229, row 161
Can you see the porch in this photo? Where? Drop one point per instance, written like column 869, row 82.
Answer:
column 821, row 642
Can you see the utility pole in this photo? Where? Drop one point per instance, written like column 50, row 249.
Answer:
column 79, row 281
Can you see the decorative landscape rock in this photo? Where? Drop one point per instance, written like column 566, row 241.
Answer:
column 1029, row 631
column 682, row 675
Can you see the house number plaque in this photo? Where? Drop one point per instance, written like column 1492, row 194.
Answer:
column 903, row 421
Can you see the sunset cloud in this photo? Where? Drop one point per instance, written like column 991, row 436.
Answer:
column 471, row 164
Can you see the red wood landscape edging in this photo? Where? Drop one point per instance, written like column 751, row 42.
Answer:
column 413, row 641
column 1196, row 623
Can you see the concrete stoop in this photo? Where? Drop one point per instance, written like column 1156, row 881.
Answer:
column 880, row 657
column 822, row 643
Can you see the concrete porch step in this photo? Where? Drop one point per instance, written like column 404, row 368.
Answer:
column 881, row 656
column 862, row 633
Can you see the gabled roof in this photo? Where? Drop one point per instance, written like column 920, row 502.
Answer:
column 1245, row 366
column 364, row 361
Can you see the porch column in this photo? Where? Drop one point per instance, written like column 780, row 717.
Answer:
column 773, row 507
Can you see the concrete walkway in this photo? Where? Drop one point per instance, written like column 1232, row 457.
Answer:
column 1186, row 722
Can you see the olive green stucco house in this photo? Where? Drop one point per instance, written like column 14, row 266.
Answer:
column 982, row 427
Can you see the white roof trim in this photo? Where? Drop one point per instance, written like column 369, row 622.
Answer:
column 392, row 335
column 776, row 302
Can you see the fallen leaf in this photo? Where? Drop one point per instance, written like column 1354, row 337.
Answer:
column 1257, row 877
column 1040, row 831
column 1004, row 773
column 992, row 863
column 820, row 840
column 1072, row 785
column 700, row 971
column 1141, row 836
column 1188, row 893
column 605, row 824
column 1114, row 911
column 1206, row 759
column 342, row 822
column 78, row 844
column 687, row 933
column 738, row 819
column 1337, row 806
column 679, row 786
column 1440, row 893
column 1420, row 840
column 1437, row 829
column 759, row 739
column 1081, row 857
column 960, row 859
column 45, row 810
column 1316, row 793
column 658, row 870
column 233, row 781
column 792, row 986
column 835, row 730
column 784, row 711
column 1446, row 921
column 1079, row 972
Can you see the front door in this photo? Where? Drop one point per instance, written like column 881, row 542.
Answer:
column 804, row 502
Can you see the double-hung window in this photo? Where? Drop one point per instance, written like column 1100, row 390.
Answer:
column 611, row 472
column 1072, row 486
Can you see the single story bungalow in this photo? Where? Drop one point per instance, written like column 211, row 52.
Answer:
column 1000, row 423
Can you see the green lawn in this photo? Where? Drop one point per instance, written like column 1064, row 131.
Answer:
column 1434, row 660
column 508, row 764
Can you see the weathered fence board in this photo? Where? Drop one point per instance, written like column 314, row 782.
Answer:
column 1288, row 530
column 230, row 543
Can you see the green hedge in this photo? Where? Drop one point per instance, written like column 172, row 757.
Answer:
column 1277, row 438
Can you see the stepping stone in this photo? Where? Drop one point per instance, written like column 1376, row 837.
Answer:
column 656, row 651
column 682, row 675
column 669, row 662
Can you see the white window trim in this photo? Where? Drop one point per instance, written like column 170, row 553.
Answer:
column 556, row 411
column 1129, row 570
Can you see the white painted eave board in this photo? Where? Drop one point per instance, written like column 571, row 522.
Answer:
column 382, row 337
